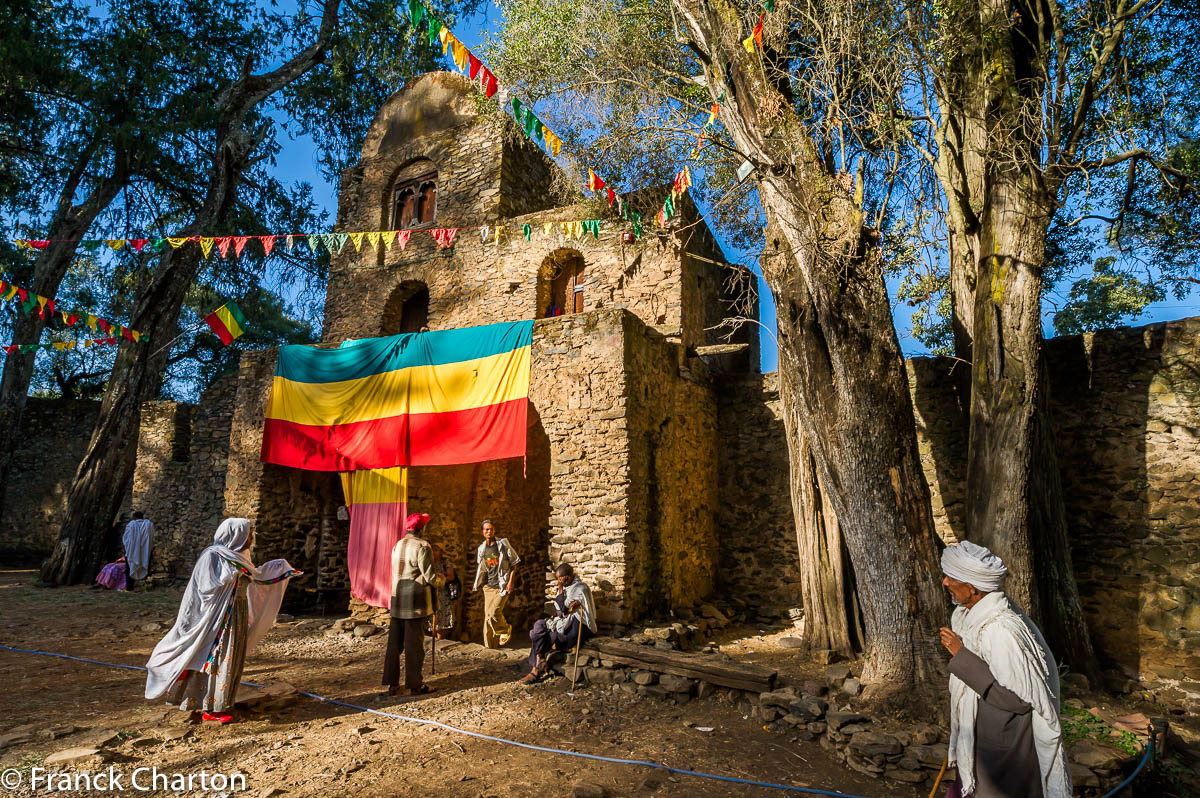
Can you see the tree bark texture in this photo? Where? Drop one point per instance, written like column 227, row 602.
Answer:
column 832, row 620
column 841, row 366
column 69, row 225
column 109, row 462
column 1014, row 492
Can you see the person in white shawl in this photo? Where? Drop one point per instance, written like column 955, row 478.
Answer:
column 1005, row 731
column 138, row 541
column 227, row 608
column 574, row 615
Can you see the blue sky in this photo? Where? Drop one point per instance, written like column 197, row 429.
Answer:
column 298, row 161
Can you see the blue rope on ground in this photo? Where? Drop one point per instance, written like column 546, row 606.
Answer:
column 480, row 736
column 1137, row 770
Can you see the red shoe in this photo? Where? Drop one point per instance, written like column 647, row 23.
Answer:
column 219, row 717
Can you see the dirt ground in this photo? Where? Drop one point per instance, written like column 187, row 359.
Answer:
column 307, row 747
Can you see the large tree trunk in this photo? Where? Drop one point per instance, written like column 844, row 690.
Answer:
column 108, row 464
column 840, row 368
column 70, row 223
column 832, row 620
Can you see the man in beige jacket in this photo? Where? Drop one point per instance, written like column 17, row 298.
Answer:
column 413, row 583
column 495, row 573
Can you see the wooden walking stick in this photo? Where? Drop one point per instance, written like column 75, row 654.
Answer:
column 433, row 636
column 942, row 772
column 578, row 640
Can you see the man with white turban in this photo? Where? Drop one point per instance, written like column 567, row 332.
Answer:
column 1005, row 733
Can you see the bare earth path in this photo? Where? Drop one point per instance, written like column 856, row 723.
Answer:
column 309, row 748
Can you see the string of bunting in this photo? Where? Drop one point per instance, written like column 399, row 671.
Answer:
column 59, row 345
column 29, row 302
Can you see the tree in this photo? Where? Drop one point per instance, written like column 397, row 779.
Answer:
column 1033, row 102
column 803, row 111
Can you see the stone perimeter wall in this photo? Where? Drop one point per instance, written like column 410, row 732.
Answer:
column 1126, row 414
column 51, row 442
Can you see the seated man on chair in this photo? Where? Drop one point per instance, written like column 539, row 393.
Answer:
column 574, row 600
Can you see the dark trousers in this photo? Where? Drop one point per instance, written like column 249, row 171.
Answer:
column 543, row 639
column 405, row 635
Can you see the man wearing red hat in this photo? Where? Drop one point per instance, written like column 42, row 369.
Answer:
column 413, row 582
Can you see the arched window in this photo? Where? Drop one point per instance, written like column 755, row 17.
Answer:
column 561, row 284
column 414, row 198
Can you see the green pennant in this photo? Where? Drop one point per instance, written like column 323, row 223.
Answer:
column 592, row 225
column 770, row 5
column 342, row 238
column 416, row 12
column 314, row 244
column 27, row 348
column 435, row 29
column 91, row 245
column 518, row 114
column 527, row 229
column 636, row 218
column 668, row 209
column 532, row 125
column 331, row 243
column 29, row 304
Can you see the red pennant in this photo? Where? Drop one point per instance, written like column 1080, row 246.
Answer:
column 50, row 306
column 475, row 63
column 612, row 196
column 22, row 294
column 223, row 245
column 239, row 243
column 105, row 326
column 490, row 84
column 9, row 350
column 444, row 237
column 138, row 243
column 72, row 320
column 39, row 244
column 268, row 243
column 402, row 238
column 127, row 333
column 757, row 32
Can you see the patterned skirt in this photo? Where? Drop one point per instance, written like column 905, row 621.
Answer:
column 214, row 687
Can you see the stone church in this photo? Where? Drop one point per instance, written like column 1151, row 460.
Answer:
column 657, row 462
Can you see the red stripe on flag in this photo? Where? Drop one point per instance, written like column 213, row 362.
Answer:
column 422, row 439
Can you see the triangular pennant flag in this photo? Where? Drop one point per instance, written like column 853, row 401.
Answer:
column 50, row 306
column 223, row 243
column 8, row 350
column 594, row 182
column 435, row 31
column 444, row 237
column 592, row 226
column 527, row 230
column 757, row 32
column 459, row 53
column 499, row 230
column 577, row 229
column 357, row 239
column 490, row 84
column 127, row 334
column 612, row 195
column 91, row 323
column 176, row 243
column 138, row 243
column 387, row 239
column 444, row 36
column 402, row 237
column 11, row 292
column 484, row 230
column 329, row 240
column 157, row 244
column 314, row 243
column 291, row 242
column 546, row 229
column 373, row 240
column 668, row 209
column 565, row 229
column 268, row 243
column 44, row 244
column 21, row 243
column 475, row 64
column 61, row 345
column 518, row 114
column 239, row 244
column 41, row 301
column 27, row 348
column 70, row 319
column 91, row 244
column 416, row 12
column 748, row 43
column 115, row 243
column 206, row 245
column 3, row 286
column 105, row 325
column 341, row 239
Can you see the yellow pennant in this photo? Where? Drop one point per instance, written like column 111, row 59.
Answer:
column 357, row 238
column 577, row 229
column 445, row 35
column 547, row 226
column 206, row 245
column 115, row 243
column 42, row 301
column 176, row 243
column 137, row 336
column 499, row 228
column 460, row 54
column 91, row 322
column 373, row 240
column 748, row 43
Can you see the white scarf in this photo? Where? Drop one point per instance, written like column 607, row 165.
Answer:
column 209, row 591
column 1013, row 648
column 577, row 591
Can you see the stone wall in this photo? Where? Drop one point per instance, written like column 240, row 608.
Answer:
column 757, row 529
column 1125, row 405
column 179, row 480
column 50, row 443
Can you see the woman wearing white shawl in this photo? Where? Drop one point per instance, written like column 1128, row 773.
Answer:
column 1005, row 733
column 227, row 608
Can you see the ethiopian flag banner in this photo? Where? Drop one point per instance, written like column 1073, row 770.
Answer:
column 433, row 398
column 378, row 504
column 227, row 322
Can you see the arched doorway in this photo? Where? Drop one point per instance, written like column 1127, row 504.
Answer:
column 407, row 309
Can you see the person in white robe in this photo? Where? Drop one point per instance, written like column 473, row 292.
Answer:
column 138, row 540
column 228, row 607
column 1006, row 735
column 574, row 620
